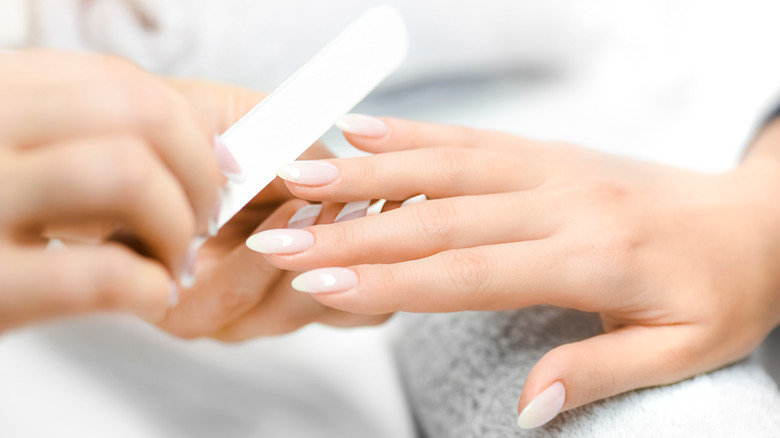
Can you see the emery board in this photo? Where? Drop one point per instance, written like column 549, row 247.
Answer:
column 305, row 106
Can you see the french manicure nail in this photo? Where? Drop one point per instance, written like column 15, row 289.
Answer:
column 56, row 245
column 187, row 277
column 362, row 125
column 305, row 217
column 283, row 241
column 544, row 407
column 326, row 280
column 414, row 200
column 352, row 210
column 227, row 162
column 173, row 294
column 376, row 207
column 214, row 219
column 309, row 173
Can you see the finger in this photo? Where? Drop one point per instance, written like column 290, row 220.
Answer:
column 113, row 97
column 415, row 231
column 582, row 372
column 389, row 134
column 112, row 177
column 437, row 172
column 229, row 288
column 495, row 277
column 39, row 284
column 284, row 310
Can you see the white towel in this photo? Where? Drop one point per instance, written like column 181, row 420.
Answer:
column 464, row 372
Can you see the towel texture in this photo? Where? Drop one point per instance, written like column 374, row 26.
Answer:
column 464, row 373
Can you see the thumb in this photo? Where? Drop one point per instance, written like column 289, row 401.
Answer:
column 582, row 372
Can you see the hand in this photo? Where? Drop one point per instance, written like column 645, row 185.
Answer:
column 90, row 145
column 682, row 267
column 238, row 295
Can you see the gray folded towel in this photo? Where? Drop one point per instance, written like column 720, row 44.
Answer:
column 464, row 373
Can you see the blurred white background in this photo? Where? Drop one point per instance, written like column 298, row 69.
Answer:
column 682, row 82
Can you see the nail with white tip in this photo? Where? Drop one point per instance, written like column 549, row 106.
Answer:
column 227, row 162
column 414, row 200
column 305, row 217
column 56, row 245
column 352, row 210
column 326, row 280
column 214, row 219
column 362, row 125
column 173, row 294
column 187, row 277
column 281, row 241
column 544, row 407
column 308, row 173
column 376, row 207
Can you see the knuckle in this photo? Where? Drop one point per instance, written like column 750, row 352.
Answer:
column 600, row 191
column 437, row 221
column 470, row 272
column 127, row 166
column 449, row 166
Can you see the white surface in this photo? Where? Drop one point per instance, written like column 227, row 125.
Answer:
column 681, row 82
column 306, row 105
column 14, row 22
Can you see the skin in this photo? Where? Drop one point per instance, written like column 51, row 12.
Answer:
column 682, row 267
column 120, row 165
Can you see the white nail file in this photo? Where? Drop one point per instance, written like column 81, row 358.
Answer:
column 306, row 105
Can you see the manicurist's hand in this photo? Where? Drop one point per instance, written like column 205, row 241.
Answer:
column 238, row 295
column 95, row 150
column 681, row 266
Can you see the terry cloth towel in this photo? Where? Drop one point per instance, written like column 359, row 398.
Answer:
column 464, row 373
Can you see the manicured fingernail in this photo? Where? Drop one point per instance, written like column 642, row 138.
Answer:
column 56, row 245
column 227, row 162
column 326, row 280
column 352, row 210
column 187, row 277
column 305, row 217
column 284, row 241
column 414, row 200
column 362, row 125
column 309, row 173
column 173, row 294
column 214, row 219
column 544, row 407
column 376, row 207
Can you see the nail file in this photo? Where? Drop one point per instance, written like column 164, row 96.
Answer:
column 306, row 105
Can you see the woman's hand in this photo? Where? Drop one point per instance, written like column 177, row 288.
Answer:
column 681, row 266
column 93, row 148
column 238, row 295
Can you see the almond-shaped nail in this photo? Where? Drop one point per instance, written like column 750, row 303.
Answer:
column 326, row 280
column 305, row 217
column 309, row 173
column 187, row 276
column 352, row 210
column 227, row 162
column 173, row 294
column 414, row 200
column 362, row 125
column 282, row 241
column 376, row 207
column 214, row 219
column 544, row 407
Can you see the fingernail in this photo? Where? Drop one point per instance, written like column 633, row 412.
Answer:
column 309, row 173
column 214, row 220
column 362, row 125
column 326, row 280
column 305, row 217
column 376, row 207
column 173, row 294
column 285, row 241
column 56, row 245
column 414, row 200
column 227, row 162
column 187, row 277
column 544, row 407
column 352, row 210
